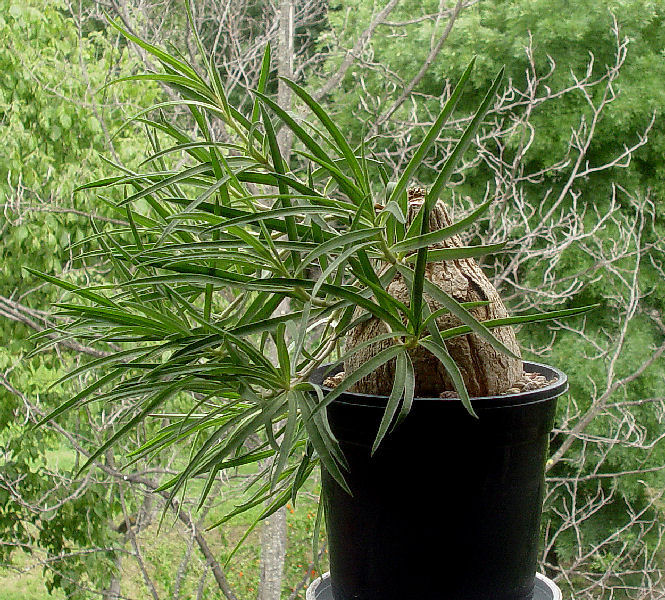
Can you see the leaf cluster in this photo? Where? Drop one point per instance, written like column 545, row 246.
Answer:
column 238, row 276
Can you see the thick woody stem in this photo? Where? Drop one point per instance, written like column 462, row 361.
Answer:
column 485, row 370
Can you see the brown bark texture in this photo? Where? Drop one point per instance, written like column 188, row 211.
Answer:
column 486, row 371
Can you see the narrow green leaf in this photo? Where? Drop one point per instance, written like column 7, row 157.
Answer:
column 263, row 80
column 279, row 165
column 116, row 357
column 183, row 83
column 159, row 398
column 286, row 446
column 162, row 56
column 394, row 209
column 282, row 351
column 71, row 287
column 354, row 297
column 168, row 181
column 82, row 395
column 301, row 333
column 334, row 131
column 453, row 370
column 432, row 134
column 415, row 242
column 354, row 193
column 187, row 147
column 519, row 320
column 346, row 184
column 297, row 129
column 378, row 360
column 317, row 437
column 374, row 340
column 443, row 311
column 463, row 143
column 389, row 303
column 393, row 400
column 336, row 263
column 409, row 390
column 278, row 213
column 339, row 241
column 118, row 316
column 458, row 310
column 303, row 470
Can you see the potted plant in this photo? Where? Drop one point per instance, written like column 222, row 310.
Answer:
column 220, row 237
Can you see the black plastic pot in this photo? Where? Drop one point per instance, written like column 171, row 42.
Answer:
column 446, row 498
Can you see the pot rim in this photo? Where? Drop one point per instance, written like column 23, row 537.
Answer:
column 555, row 389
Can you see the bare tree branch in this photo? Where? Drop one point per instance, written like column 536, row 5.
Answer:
column 424, row 68
column 353, row 54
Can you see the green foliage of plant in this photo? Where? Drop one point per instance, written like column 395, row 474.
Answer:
column 498, row 32
column 53, row 133
column 234, row 217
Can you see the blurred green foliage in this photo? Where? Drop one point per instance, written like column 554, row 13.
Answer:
column 54, row 125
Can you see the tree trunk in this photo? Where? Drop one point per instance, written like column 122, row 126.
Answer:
column 273, row 531
column 485, row 370
column 285, row 69
column 113, row 590
column 273, row 552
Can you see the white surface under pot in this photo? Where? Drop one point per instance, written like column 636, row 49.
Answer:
column 546, row 589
